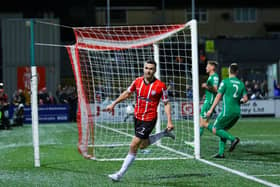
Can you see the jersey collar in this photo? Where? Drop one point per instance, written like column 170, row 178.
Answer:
column 149, row 82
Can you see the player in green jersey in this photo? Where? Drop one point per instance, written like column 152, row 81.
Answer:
column 211, row 87
column 233, row 93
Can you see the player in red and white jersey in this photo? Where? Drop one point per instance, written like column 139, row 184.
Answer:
column 148, row 96
column 149, row 91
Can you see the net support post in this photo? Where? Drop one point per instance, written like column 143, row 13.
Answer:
column 195, row 82
column 35, row 128
column 34, row 95
column 157, row 74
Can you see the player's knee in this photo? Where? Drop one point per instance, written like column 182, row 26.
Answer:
column 133, row 147
column 143, row 146
column 203, row 123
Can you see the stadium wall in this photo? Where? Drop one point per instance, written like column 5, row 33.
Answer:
column 15, row 43
column 277, row 108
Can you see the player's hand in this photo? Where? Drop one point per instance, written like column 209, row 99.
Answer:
column 208, row 114
column 203, row 85
column 109, row 108
column 170, row 126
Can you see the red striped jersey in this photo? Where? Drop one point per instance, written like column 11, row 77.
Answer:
column 147, row 97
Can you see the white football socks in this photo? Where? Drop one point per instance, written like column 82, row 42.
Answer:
column 126, row 163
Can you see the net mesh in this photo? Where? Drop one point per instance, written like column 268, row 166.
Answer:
column 105, row 62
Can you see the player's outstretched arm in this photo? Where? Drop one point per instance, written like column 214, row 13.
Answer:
column 126, row 94
column 216, row 101
column 167, row 109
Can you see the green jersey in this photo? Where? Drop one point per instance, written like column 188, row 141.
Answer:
column 213, row 80
column 232, row 90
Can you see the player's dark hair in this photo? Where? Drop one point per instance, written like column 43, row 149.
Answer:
column 213, row 63
column 151, row 62
column 233, row 68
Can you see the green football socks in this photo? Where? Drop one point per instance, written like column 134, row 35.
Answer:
column 224, row 134
column 221, row 133
column 201, row 131
column 222, row 144
column 210, row 127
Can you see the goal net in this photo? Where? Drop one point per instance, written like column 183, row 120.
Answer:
column 106, row 60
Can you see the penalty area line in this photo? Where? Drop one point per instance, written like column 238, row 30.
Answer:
column 244, row 175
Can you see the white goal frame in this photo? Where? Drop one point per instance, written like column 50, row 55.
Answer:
column 84, row 107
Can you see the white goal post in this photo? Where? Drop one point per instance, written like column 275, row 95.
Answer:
column 105, row 61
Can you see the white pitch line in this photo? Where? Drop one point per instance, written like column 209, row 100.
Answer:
column 255, row 162
column 207, row 162
column 164, row 147
column 262, row 135
column 173, row 150
column 250, row 177
column 270, row 175
column 110, row 145
column 114, row 130
column 121, row 159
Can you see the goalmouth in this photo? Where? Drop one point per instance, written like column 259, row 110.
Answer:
column 105, row 61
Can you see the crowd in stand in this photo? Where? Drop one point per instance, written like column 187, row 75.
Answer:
column 21, row 98
column 67, row 95
column 259, row 89
column 256, row 89
column 63, row 95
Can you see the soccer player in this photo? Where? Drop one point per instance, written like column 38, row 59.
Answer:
column 148, row 90
column 211, row 87
column 233, row 93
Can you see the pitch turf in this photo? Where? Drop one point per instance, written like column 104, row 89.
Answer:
column 258, row 154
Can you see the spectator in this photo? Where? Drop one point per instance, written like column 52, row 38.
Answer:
column 63, row 96
column 189, row 92
column 276, row 89
column 4, row 108
column 264, row 88
column 27, row 95
column 256, row 92
column 253, row 83
column 42, row 96
column 58, row 91
column 18, row 102
column 248, row 89
column 73, row 102
column 51, row 100
column 22, row 96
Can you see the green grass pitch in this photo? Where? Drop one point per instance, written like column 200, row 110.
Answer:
column 258, row 154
